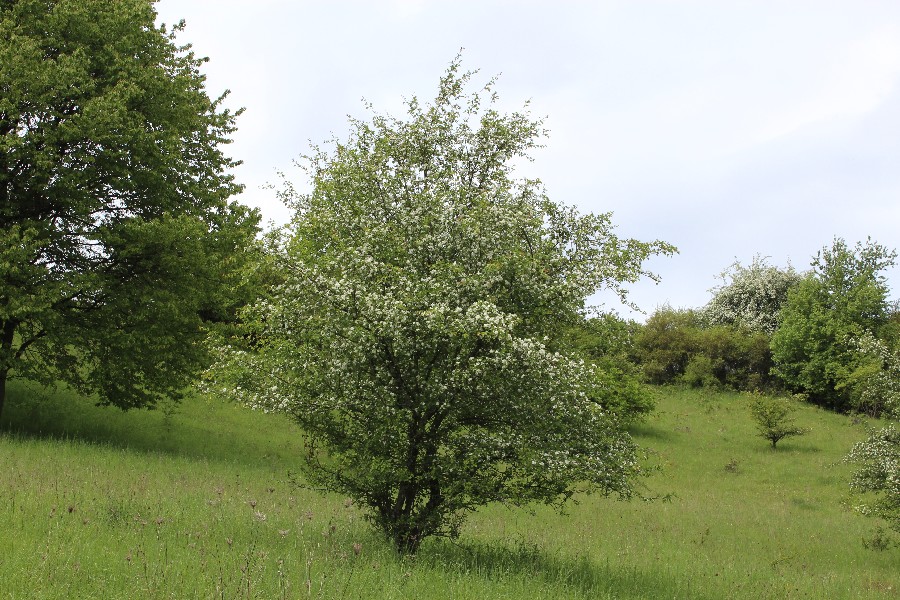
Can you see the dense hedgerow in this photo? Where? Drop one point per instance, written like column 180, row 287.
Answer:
column 675, row 346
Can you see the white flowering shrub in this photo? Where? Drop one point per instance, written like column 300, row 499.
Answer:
column 414, row 331
column 878, row 477
column 750, row 297
column 876, row 381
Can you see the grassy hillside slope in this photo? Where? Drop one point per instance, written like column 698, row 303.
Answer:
column 197, row 503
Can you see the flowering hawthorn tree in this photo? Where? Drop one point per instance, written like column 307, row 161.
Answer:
column 878, row 457
column 414, row 330
column 751, row 296
column 876, row 382
column 879, row 474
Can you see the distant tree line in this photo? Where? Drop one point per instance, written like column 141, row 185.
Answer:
column 830, row 334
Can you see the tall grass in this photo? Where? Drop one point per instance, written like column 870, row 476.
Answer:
column 196, row 502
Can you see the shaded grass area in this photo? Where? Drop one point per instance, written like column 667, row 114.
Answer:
column 196, row 503
column 196, row 428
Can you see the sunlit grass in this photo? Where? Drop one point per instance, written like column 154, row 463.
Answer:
column 197, row 503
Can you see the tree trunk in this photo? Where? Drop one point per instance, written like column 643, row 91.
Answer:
column 7, row 336
column 407, row 540
column 3, row 374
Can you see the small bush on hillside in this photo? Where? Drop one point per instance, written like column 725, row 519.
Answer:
column 880, row 541
column 774, row 419
column 879, row 474
column 700, row 372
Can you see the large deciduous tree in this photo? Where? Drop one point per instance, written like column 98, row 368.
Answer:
column 117, row 233
column 416, row 334
column 843, row 298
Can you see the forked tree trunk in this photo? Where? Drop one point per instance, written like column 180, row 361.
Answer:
column 407, row 541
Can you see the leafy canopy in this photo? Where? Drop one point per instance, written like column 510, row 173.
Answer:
column 843, row 297
column 680, row 346
column 878, row 475
column 875, row 383
column 415, row 335
column 117, row 235
column 774, row 419
column 607, row 341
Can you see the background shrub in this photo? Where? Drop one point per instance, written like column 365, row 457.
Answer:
column 608, row 341
column 675, row 346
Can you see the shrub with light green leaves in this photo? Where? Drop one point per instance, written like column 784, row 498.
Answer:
column 607, row 342
column 774, row 419
column 844, row 297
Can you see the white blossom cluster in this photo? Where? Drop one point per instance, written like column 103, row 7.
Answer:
column 879, row 457
column 750, row 296
column 878, row 386
column 411, row 330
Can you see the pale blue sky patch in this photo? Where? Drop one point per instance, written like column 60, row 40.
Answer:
column 727, row 128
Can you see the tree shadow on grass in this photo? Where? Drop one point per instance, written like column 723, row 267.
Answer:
column 646, row 431
column 194, row 430
column 787, row 448
column 564, row 574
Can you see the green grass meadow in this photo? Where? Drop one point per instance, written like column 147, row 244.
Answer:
column 196, row 501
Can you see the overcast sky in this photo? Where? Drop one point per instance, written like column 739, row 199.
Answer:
column 729, row 128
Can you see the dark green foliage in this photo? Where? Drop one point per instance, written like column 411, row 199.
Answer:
column 740, row 359
column 674, row 346
column 117, row 236
column 701, row 372
column 844, row 297
column 665, row 344
column 607, row 341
